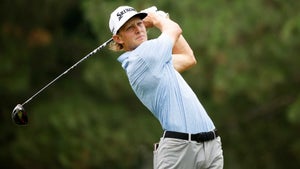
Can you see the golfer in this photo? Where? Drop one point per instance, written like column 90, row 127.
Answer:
column 190, row 139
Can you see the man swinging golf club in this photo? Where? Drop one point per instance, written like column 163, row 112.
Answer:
column 190, row 139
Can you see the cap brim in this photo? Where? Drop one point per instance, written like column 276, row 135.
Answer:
column 142, row 15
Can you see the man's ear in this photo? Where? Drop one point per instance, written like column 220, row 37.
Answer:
column 118, row 39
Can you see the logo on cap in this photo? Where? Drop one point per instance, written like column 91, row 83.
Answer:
column 121, row 13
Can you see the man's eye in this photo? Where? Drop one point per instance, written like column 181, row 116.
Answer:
column 129, row 28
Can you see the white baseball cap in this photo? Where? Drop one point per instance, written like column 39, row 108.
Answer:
column 121, row 15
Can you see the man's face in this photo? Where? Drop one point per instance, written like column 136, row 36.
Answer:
column 132, row 34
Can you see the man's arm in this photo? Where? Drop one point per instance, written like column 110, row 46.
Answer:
column 183, row 57
column 182, row 54
column 164, row 24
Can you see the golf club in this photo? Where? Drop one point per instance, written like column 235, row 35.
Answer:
column 19, row 116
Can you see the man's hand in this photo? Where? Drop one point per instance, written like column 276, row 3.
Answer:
column 153, row 12
column 148, row 20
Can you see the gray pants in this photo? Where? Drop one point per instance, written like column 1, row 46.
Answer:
column 182, row 154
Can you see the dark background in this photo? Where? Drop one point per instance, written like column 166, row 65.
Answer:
column 247, row 78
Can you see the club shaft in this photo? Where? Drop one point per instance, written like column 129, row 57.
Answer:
column 84, row 58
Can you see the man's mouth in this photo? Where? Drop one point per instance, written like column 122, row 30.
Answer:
column 141, row 37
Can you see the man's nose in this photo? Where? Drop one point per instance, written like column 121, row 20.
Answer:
column 138, row 29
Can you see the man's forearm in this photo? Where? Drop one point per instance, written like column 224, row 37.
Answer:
column 183, row 56
column 182, row 47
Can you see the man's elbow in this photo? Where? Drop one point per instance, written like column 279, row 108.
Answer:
column 189, row 63
column 192, row 59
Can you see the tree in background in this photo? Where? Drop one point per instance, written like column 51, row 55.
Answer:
column 247, row 77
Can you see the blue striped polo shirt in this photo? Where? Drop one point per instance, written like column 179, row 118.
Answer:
column 162, row 89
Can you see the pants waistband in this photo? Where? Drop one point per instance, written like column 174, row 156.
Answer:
column 199, row 137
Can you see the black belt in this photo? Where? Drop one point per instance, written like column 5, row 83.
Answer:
column 199, row 137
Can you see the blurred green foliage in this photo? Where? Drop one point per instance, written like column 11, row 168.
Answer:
column 247, row 77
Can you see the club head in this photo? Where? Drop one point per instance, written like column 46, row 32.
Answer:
column 19, row 115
